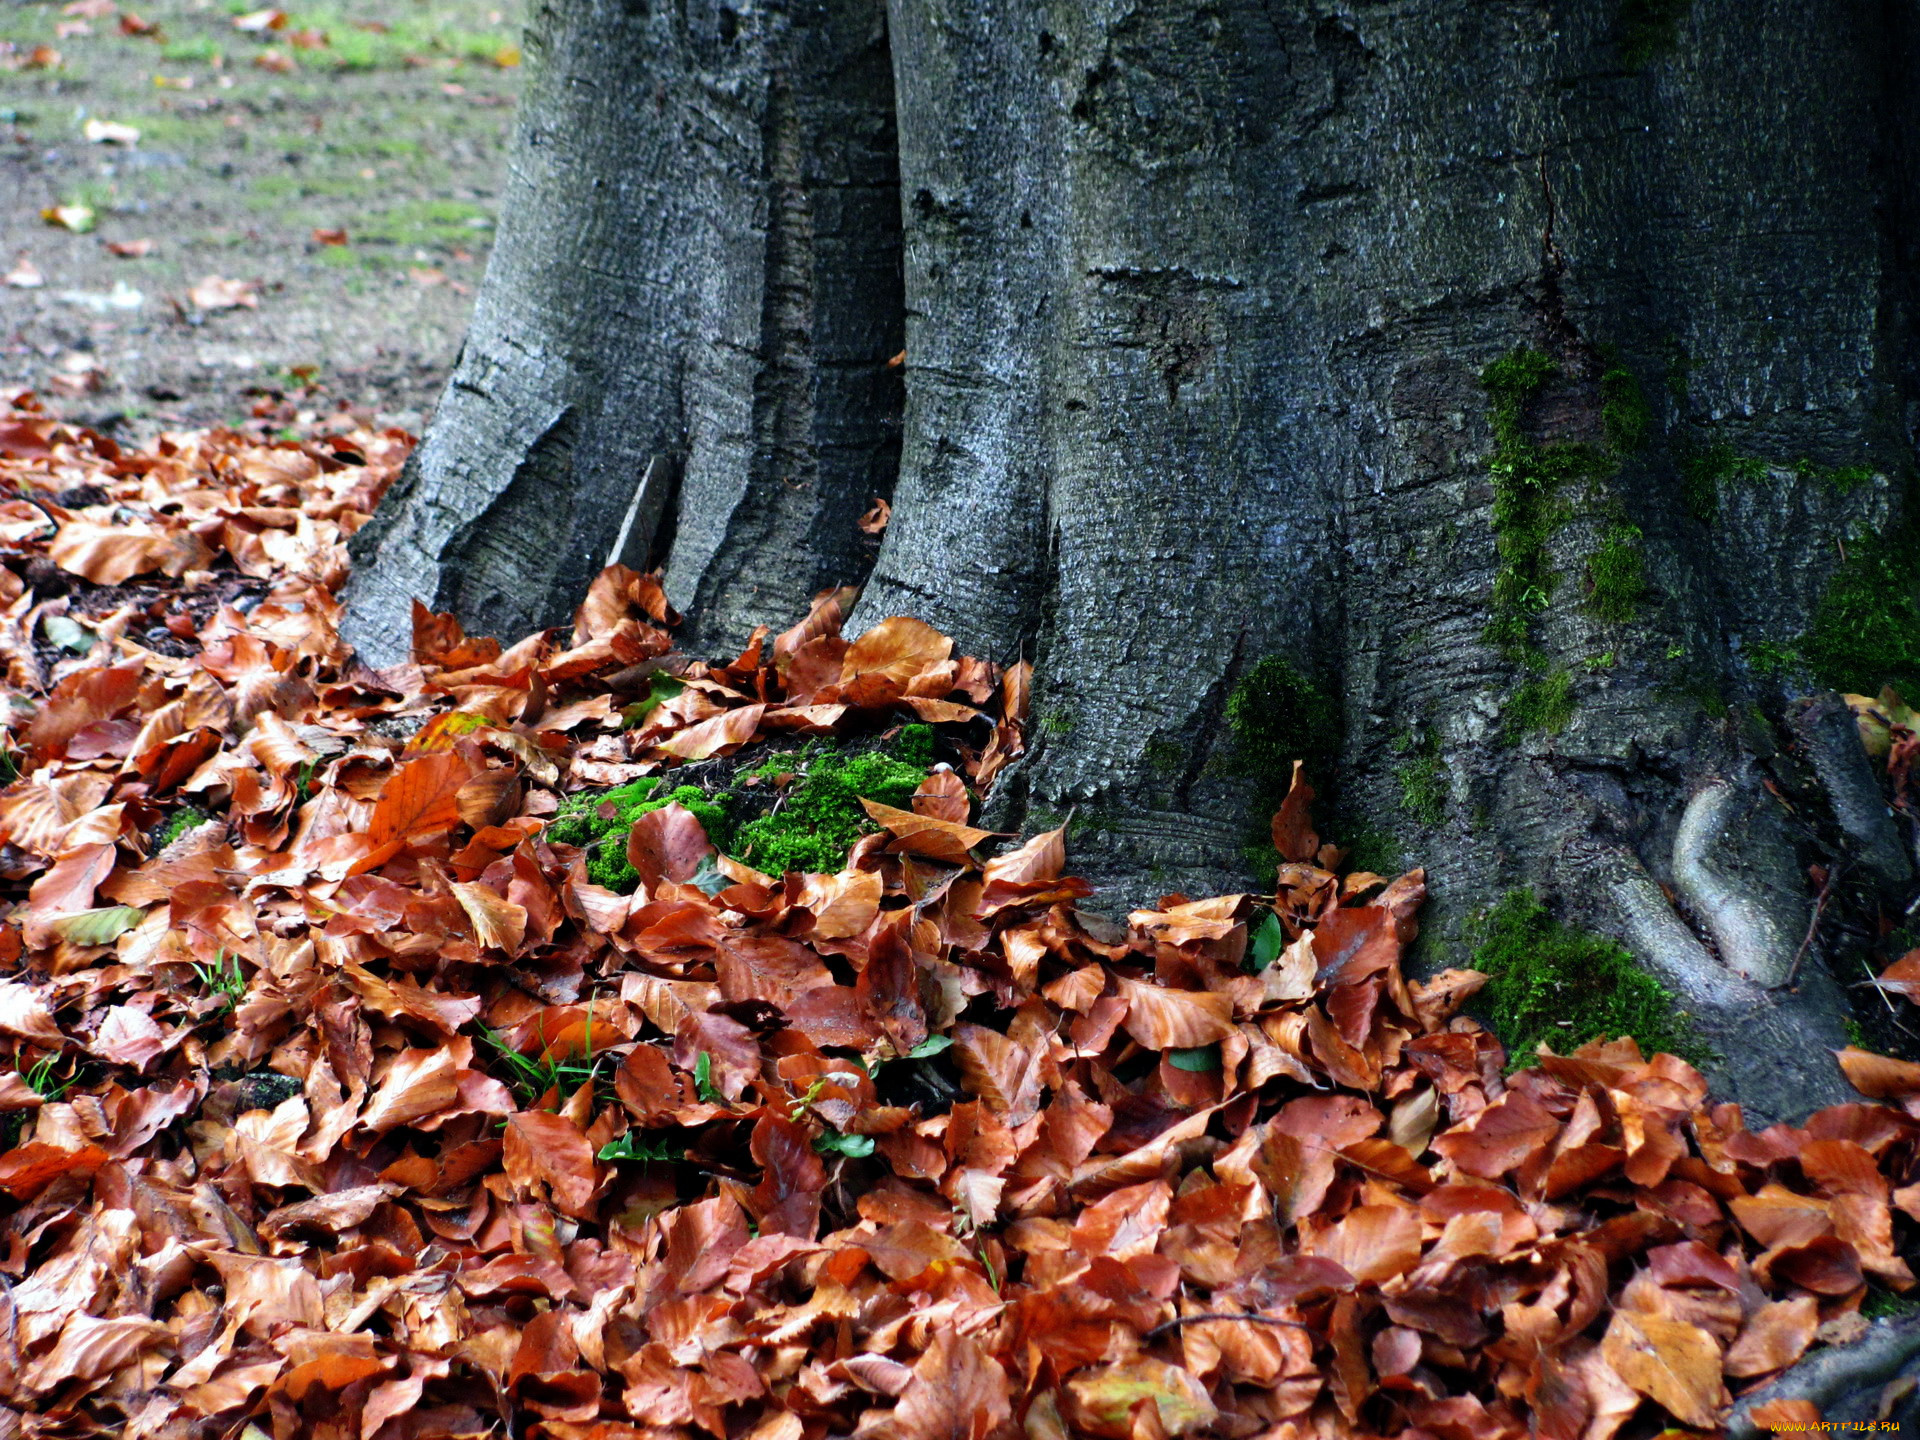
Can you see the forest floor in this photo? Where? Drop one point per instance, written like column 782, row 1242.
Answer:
column 262, row 136
column 378, row 1071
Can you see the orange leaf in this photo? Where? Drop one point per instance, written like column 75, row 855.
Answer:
column 1880, row 1077
column 550, row 1150
column 421, row 798
column 958, row 1392
column 1293, row 834
column 1163, row 1019
column 497, row 922
column 898, row 648
column 667, row 844
column 1672, row 1363
column 725, row 731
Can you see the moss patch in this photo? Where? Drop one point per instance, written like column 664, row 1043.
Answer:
column 1551, row 982
column 1528, row 477
column 795, row 810
column 1703, row 472
column 1544, row 702
column 599, row 822
column 1865, row 632
column 1649, row 29
column 1277, row 716
column 1623, row 408
column 1423, row 784
column 186, row 818
column 820, row 815
column 1616, row 575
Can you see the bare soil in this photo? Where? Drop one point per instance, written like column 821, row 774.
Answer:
column 387, row 121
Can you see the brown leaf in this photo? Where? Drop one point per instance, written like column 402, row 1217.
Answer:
column 496, row 921
column 898, row 648
column 958, row 1392
column 1672, row 1363
column 667, row 844
column 1293, row 834
column 421, row 798
column 1501, row 1137
column 1775, row 1336
column 1162, row 1019
column 726, row 731
column 550, row 1150
column 1880, row 1077
column 917, row 834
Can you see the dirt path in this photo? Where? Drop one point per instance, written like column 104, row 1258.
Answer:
column 385, row 121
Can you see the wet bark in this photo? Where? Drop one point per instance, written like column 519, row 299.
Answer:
column 695, row 284
column 1199, row 300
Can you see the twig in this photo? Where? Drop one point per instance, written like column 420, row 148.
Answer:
column 1813, row 928
column 1250, row 1319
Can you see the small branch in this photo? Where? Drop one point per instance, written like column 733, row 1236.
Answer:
column 1813, row 928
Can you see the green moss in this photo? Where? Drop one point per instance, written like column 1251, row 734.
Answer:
column 1623, row 409
column 820, row 815
column 599, row 823
column 813, row 822
column 1423, row 786
column 1527, row 479
column 1277, row 716
column 1865, row 632
column 186, row 818
column 1554, row 983
column 1884, row 1304
column 1649, row 29
column 1616, row 575
column 1703, row 472
column 1374, row 849
column 1772, row 657
column 1544, row 702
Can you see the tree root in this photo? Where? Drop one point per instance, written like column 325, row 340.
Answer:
column 1846, row 1382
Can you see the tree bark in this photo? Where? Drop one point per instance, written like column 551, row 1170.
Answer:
column 695, row 285
column 1250, row 330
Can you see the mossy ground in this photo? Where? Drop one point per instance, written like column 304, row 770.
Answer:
column 1550, row 982
column 793, row 810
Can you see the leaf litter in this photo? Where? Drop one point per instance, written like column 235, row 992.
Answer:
column 344, row 1103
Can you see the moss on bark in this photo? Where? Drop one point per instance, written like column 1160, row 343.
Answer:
column 1554, row 983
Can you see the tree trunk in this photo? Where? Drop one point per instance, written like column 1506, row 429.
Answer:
column 1487, row 402
column 687, row 316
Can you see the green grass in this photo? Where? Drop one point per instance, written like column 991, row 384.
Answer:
column 224, row 978
column 403, row 41
column 530, row 1077
column 1554, row 983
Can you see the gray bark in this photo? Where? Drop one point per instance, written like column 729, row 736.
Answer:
column 1289, row 238
column 696, row 278
column 1199, row 298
